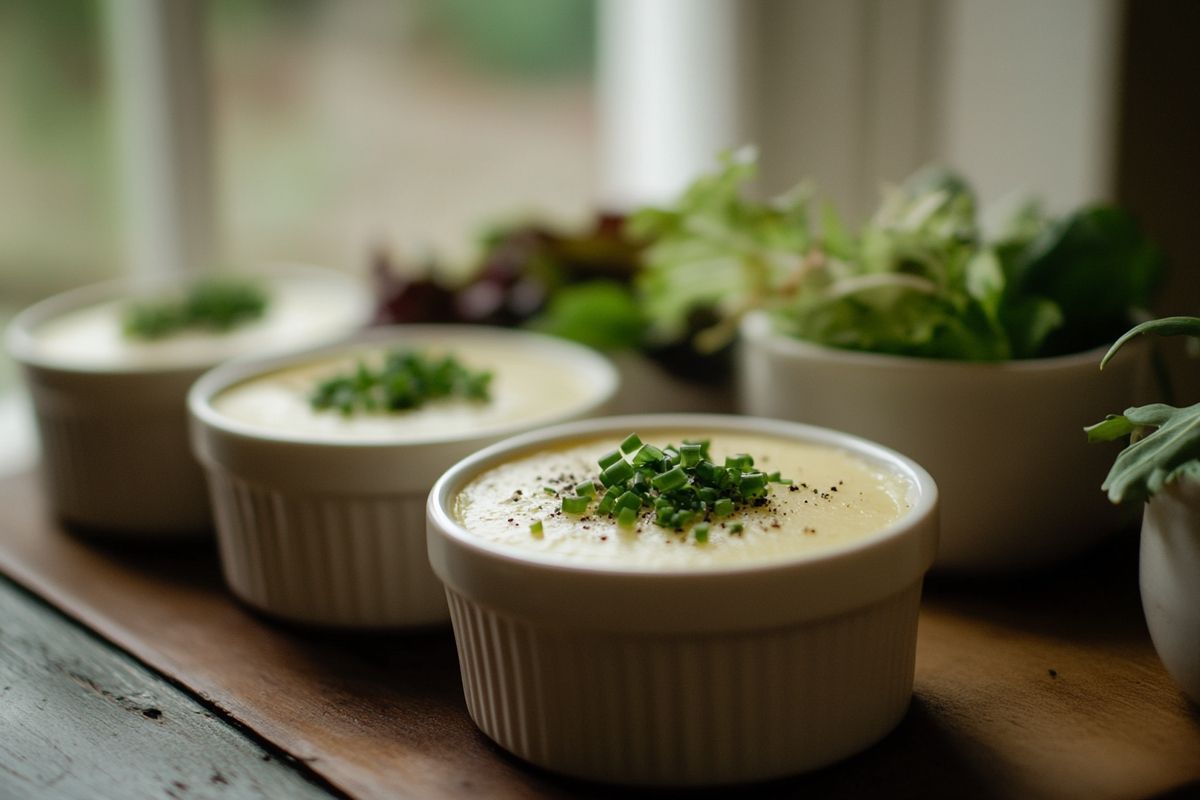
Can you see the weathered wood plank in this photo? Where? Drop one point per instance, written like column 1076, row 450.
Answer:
column 80, row 719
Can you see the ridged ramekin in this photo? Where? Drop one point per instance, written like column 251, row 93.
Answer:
column 332, row 533
column 115, row 454
column 701, row 677
column 1003, row 440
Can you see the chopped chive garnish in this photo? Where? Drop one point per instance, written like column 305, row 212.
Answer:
column 632, row 443
column 404, row 381
column 549, row 490
column 216, row 305
column 535, row 528
column 683, row 486
column 608, row 459
column 574, row 504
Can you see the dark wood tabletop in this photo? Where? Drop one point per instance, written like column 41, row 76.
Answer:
column 129, row 672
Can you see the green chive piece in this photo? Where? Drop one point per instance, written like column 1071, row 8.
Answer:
column 736, row 527
column 626, row 517
column 690, row 454
column 606, row 503
column 631, row 444
column 741, row 461
column 585, row 489
column 574, row 504
column 648, row 454
column 629, row 500
column 701, row 532
column 535, row 528
column 671, row 479
column 708, row 473
column 752, row 484
column 723, row 507
column 617, row 473
column 549, row 490
column 608, row 459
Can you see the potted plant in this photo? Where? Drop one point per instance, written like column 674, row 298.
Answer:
column 1161, row 467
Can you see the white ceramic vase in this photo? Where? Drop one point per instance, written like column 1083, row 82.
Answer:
column 1170, row 581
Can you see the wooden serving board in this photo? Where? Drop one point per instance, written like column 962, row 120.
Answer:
column 1041, row 687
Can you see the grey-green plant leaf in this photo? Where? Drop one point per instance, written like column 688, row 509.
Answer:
column 1171, row 450
column 1114, row 427
column 1167, row 326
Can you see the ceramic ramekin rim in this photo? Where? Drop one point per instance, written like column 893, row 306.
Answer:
column 216, row 380
column 21, row 335
column 756, row 327
column 440, row 497
column 723, row 600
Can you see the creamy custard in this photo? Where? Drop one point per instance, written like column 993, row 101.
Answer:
column 835, row 498
column 526, row 386
column 299, row 311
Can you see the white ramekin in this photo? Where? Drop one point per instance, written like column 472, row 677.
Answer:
column 332, row 533
column 1004, row 441
column 115, row 454
column 686, row 677
column 1170, row 580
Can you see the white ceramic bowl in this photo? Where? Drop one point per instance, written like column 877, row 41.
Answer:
column 677, row 677
column 327, row 532
column 1004, row 441
column 115, row 455
column 1170, row 580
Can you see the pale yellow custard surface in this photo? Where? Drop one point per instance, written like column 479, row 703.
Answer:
column 298, row 312
column 527, row 385
column 836, row 498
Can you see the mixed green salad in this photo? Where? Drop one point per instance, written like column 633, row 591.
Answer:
column 921, row 278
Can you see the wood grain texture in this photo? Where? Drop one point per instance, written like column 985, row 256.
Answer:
column 1039, row 687
column 80, row 719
